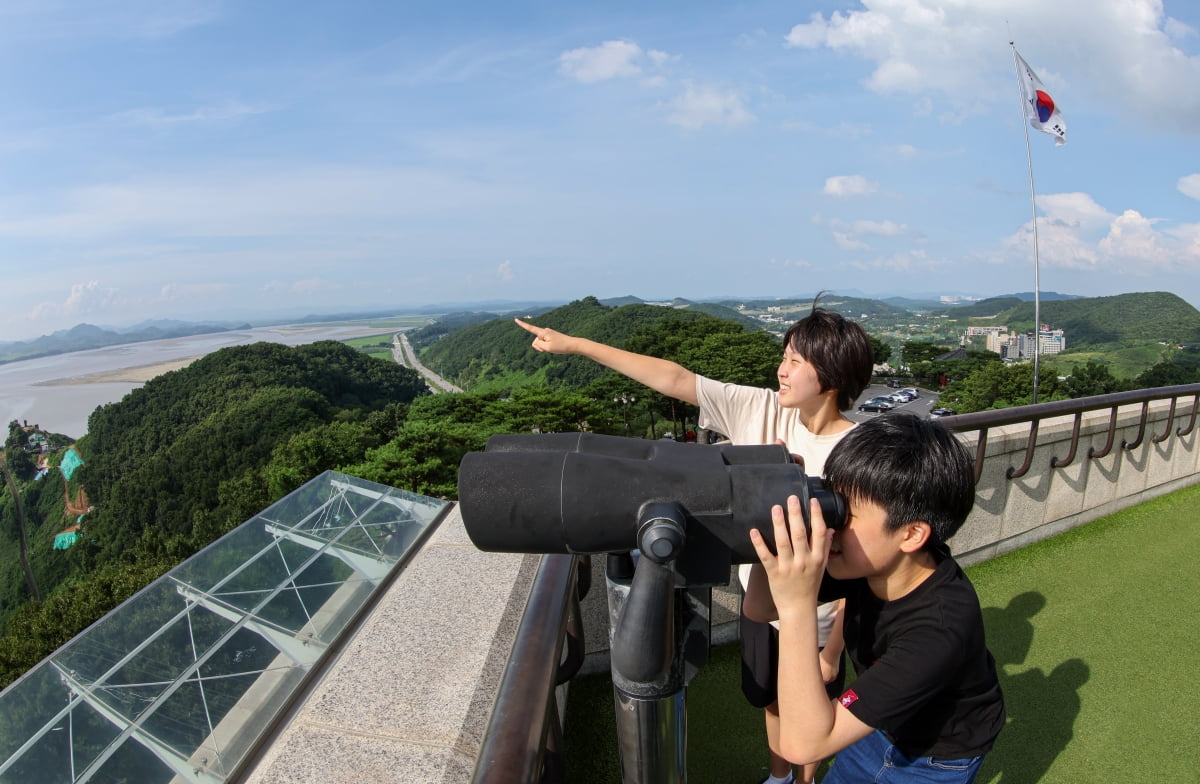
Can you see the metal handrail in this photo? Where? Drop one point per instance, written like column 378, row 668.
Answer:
column 982, row 421
column 524, row 741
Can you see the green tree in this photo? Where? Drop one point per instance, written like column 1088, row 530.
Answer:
column 997, row 385
column 20, row 463
column 953, row 369
column 424, row 457
column 38, row 628
column 1092, row 379
column 1166, row 374
column 16, row 434
column 881, row 350
column 310, row 452
column 914, row 351
column 544, row 410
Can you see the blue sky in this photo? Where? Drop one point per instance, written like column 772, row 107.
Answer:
column 211, row 158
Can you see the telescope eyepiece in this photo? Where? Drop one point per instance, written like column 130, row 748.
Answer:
column 833, row 504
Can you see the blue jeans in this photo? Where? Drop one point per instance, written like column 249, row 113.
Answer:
column 874, row 760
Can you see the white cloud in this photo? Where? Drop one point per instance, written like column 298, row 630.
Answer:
column 885, row 228
column 848, row 236
column 1190, row 186
column 505, row 271
column 1133, row 239
column 1123, row 53
column 701, row 105
column 850, row 185
column 810, row 35
column 609, row 60
column 1077, row 233
column 83, row 298
column 1074, row 210
column 847, row 242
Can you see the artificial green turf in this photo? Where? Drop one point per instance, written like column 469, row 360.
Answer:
column 1095, row 634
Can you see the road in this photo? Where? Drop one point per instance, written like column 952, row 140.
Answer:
column 402, row 352
column 919, row 406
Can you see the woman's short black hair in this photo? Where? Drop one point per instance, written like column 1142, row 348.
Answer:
column 838, row 348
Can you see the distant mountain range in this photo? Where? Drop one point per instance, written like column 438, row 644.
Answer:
column 87, row 336
column 1101, row 320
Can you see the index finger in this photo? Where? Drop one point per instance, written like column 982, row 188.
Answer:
column 528, row 327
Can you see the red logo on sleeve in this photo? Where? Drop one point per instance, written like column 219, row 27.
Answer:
column 848, row 699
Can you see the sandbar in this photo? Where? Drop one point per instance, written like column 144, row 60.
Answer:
column 139, row 374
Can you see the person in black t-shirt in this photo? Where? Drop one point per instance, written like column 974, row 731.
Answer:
column 926, row 705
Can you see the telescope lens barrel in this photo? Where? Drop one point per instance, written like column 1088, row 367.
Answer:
column 583, row 493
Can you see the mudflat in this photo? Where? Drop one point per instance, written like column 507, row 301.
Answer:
column 139, row 374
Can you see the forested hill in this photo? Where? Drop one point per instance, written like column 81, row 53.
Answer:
column 175, row 454
column 499, row 351
column 1157, row 316
column 177, row 463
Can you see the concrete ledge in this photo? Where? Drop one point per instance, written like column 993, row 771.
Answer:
column 410, row 697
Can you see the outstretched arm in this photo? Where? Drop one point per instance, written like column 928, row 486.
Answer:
column 661, row 375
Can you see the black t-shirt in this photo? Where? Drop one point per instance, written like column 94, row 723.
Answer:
column 925, row 676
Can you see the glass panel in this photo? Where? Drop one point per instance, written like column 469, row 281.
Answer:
column 182, row 676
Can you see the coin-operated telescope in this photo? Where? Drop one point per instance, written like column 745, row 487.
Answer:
column 673, row 518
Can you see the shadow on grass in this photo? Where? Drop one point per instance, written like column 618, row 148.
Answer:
column 727, row 743
column 1041, row 708
column 1114, row 610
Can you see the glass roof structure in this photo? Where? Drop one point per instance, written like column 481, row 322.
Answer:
column 178, row 683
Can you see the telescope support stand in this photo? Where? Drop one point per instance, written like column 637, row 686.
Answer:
column 658, row 639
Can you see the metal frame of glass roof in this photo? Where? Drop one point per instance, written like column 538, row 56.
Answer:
column 177, row 683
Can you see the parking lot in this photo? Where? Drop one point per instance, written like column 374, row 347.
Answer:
column 920, row 406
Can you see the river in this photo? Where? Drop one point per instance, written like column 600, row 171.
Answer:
column 58, row 393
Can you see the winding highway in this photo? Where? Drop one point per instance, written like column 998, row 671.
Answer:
column 402, row 352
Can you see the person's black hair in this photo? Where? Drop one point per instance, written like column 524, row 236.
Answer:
column 837, row 348
column 914, row 468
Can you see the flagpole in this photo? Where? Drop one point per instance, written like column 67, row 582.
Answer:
column 1037, row 290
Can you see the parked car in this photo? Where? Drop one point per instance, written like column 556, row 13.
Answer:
column 877, row 404
column 941, row 411
column 894, row 383
column 899, row 398
column 916, row 393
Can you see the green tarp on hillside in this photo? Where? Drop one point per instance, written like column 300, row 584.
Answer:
column 71, row 460
column 63, row 541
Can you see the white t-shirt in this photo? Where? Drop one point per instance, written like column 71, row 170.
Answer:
column 752, row 415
